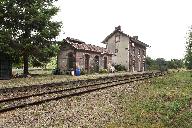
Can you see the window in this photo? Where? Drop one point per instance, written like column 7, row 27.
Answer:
column 133, row 50
column 116, row 50
column 117, row 38
column 133, row 66
column 144, row 52
column 138, row 51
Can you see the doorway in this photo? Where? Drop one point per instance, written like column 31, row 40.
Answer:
column 96, row 63
column 71, row 61
column 87, row 62
column 105, row 62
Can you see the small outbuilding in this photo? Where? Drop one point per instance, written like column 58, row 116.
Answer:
column 90, row 58
column 5, row 67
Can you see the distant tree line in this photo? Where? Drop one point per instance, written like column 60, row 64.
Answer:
column 163, row 65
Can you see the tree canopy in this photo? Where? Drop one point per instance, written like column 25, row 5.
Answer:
column 27, row 29
column 188, row 56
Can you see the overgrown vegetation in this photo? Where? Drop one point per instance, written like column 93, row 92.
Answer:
column 120, row 67
column 161, row 102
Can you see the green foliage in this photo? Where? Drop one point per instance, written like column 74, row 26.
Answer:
column 52, row 63
column 103, row 71
column 27, row 29
column 188, row 56
column 161, row 64
column 151, row 64
column 83, row 72
column 162, row 102
column 119, row 67
column 175, row 64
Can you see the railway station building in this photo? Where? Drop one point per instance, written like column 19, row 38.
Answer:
column 76, row 53
column 128, row 51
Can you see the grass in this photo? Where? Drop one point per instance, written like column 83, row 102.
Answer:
column 161, row 102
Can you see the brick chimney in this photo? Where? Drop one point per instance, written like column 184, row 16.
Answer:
column 118, row 28
column 135, row 37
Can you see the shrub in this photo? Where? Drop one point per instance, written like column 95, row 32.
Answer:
column 83, row 72
column 120, row 67
column 56, row 71
column 103, row 71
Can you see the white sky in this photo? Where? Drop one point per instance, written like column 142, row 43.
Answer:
column 160, row 23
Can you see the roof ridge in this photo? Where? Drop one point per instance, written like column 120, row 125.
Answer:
column 87, row 47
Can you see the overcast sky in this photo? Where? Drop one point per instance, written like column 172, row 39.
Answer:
column 160, row 23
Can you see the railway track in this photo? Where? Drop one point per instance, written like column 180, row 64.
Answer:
column 58, row 91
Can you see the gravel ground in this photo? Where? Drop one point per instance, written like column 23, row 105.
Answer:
column 94, row 110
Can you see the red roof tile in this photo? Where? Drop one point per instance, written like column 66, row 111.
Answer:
column 80, row 45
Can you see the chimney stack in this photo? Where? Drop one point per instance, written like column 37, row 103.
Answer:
column 135, row 37
column 118, row 28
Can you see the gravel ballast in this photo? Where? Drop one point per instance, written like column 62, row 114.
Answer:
column 94, row 110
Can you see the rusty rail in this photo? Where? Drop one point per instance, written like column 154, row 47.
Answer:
column 12, row 103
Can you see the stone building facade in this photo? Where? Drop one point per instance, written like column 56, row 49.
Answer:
column 90, row 58
column 128, row 51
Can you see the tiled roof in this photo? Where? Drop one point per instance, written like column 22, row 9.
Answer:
column 138, row 42
column 118, row 29
column 80, row 45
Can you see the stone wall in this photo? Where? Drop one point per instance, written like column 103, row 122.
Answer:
column 80, row 59
column 139, row 59
column 63, row 58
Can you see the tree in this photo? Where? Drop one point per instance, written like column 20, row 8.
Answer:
column 150, row 63
column 157, row 64
column 44, row 57
column 27, row 30
column 188, row 56
column 162, row 64
column 175, row 64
